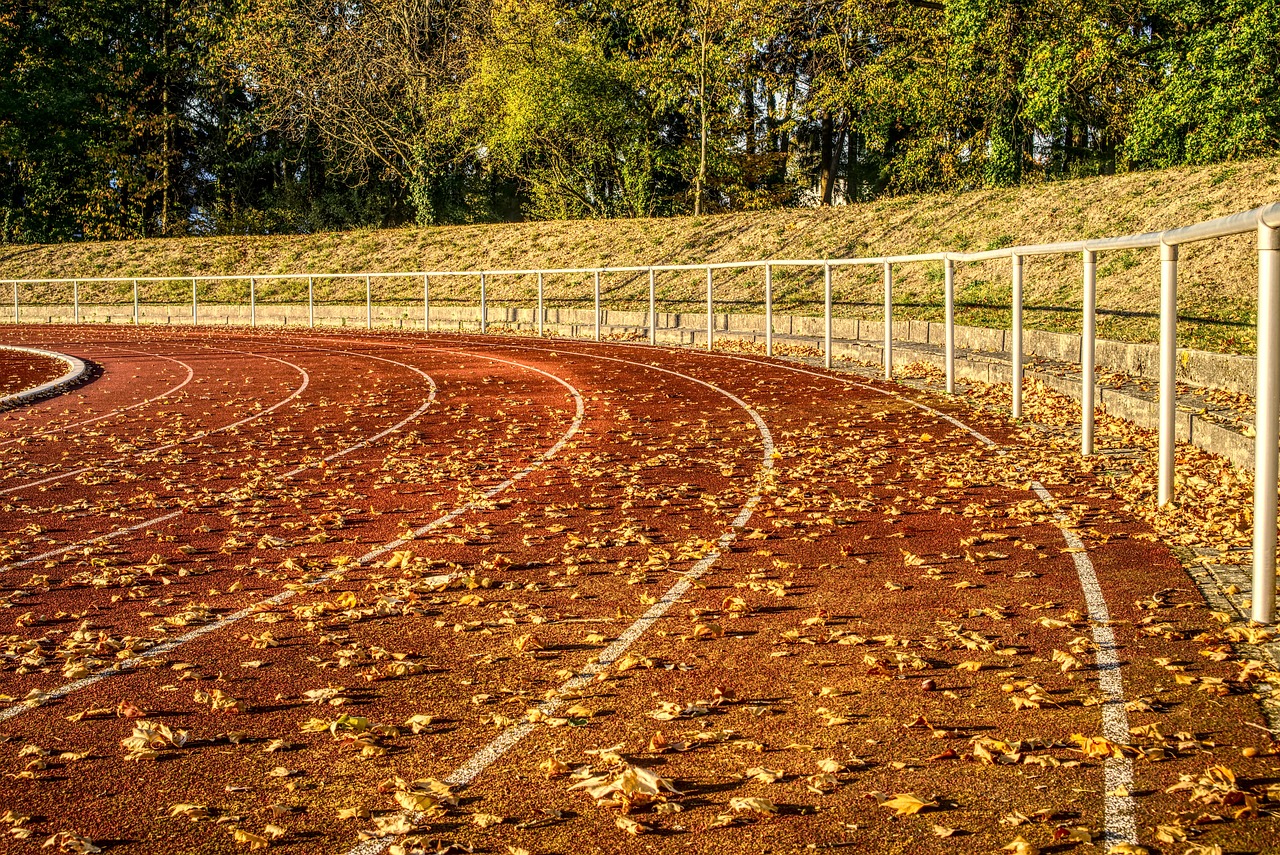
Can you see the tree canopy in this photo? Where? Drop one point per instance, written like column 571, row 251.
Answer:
column 130, row 118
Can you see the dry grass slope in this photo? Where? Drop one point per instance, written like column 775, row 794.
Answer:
column 1217, row 288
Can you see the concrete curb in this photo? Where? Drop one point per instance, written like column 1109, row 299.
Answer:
column 75, row 370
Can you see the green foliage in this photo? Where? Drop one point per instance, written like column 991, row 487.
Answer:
column 546, row 105
column 1219, row 96
column 123, row 118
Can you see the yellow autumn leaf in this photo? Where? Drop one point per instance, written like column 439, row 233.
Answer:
column 419, row 802
column 630, row 826
column 906, row 804
column 751, row 804
column 553, row 767
column 254, row 841
column 1021, row 846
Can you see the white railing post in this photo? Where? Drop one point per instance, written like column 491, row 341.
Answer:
column 75, row 301
column 1015, row 355
column 195, row 307
column 1168, row 368
column 888, row 321
column 253, row 302
column 368, row 303
column 426, row 303
column 541, row 306
column 311, row 302
column 16, row 312
column 711, row 320
column 597, row 296
column 135, row 302
column 949, row 296
column 653, row 308
column 1267, row 426
column 484, row 305
column 1088, row 351
column 826, row 328
column 768, row 309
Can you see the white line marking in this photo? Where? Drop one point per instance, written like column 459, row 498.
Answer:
column 62, row 550
column 1120, row 811
column 190, row 374
column 1121, row 825
column 283, row 596
column 509, row 738
column 431, row 397
column 306, row 380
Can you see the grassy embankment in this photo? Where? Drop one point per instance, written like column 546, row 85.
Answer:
column 1217, row 289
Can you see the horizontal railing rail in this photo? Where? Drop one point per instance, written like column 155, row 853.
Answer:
column 1264, row 220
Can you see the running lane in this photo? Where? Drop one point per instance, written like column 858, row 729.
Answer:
column 898, row 614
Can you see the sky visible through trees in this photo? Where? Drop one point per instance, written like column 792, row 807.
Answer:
column 141, row 118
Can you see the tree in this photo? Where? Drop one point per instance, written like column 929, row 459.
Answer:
column 368, row 79
column 1216, row 94
column 547, row 103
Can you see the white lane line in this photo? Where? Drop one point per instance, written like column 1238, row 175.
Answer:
column 1120, row 823
column 118, row 410
column 62, row 550
column 283, row 596
column 431, row 397
column 509, row 738
column 306, row 381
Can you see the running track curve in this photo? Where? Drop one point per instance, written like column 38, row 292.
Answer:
column 529, row 549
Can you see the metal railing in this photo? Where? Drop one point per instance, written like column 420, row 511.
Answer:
column 1265, row 221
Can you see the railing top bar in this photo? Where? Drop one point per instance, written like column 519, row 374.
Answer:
column 988, row 254
column 1234, row 224
column 1270, row 215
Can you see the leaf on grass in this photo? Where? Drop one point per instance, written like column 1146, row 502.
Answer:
column 418, row 723
column 1099, row 746
column 528, row 643
column 69, row 841
column 416, row 802
column 190, row 811
column 821, row 783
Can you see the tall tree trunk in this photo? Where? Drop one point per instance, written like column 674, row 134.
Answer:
column 851, row 170
column 826, row 173
column 789, row 98
column 702, row 118
column 166, row 123
column 749, row 123
column 770, row 125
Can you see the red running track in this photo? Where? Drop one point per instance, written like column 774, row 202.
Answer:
column 498, row 557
